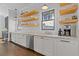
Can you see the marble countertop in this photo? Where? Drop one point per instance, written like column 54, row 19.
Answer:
column 46, row 35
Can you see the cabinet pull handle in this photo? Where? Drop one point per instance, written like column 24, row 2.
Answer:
column 64, row 41
column 42, row 38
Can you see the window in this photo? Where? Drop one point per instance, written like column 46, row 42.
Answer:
column 48, row 20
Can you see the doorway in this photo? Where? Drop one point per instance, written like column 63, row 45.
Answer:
column 3, row 29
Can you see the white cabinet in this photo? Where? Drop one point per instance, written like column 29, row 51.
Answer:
column 56, row 46
column 66, row 47
column 13, row 37
column 22, row 40
column 38, row 44
column 19, row 39
column 44, row 45
column 48, row 46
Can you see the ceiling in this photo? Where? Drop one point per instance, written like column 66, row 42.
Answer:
column 5, row 6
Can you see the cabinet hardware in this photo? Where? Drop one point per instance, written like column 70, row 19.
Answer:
column 41, row 38
column 44, row 38
column 64, row 41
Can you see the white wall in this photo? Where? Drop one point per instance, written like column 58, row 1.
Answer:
column 69, row 16
column 12, row 25
column 5, row 6
column 38, row 7
column 26, row 6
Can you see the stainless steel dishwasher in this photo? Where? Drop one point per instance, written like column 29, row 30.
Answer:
column 31, row 45
column 30, row 41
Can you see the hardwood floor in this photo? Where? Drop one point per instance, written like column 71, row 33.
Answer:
column 10, row 49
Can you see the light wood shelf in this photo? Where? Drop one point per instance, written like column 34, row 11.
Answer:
column 30, row 25
column 29, row 19
column 70, row 21
column 69, row 10
column 64, row 4
column 29, row 13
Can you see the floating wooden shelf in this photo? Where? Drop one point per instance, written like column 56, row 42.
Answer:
column 69, row 10
column 70, row 21
column 64, row 4
column 30, row 25
column 30, row 13
column 29, row 19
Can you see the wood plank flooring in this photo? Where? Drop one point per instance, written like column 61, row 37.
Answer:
column 10, row 49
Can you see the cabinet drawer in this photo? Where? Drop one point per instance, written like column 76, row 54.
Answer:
column 44, row 45
column 66, row 47
column 20, row 36
column 42, row 37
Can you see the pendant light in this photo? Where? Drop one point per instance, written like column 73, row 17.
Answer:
column 44, row 7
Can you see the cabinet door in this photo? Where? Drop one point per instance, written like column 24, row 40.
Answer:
column 38, row 42
column 44, row 45
column 48, row 46
column 22, row 40
column 19, row 39
column 13, row 37
column 65, row 47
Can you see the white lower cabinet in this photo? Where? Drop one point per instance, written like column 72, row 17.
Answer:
column 22, row 40
column 19, row 39
column 38, row 44
column 56, row 46
column 48, row 46
column 44, row 45
column 13, row 37
column 66, row 47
